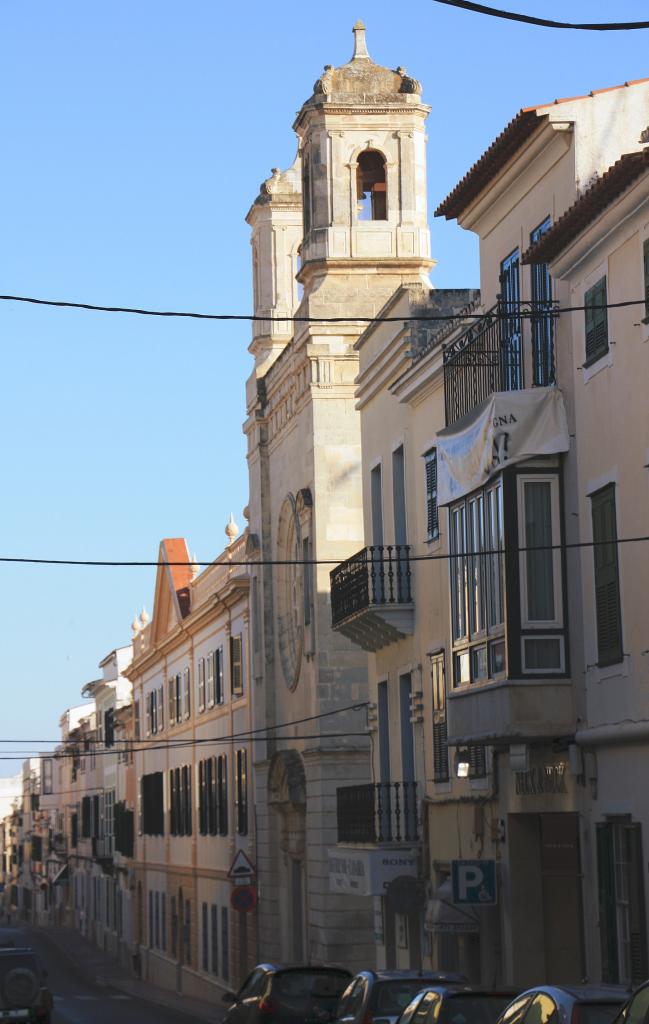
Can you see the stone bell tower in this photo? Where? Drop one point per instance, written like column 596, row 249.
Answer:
column 362, row 144
column 348, row 220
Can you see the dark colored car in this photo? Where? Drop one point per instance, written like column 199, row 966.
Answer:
column 380, row 997
column 277, row 994
column 24, row 995
column 565, row 1004
column 456, row 1004
column 636, row 1010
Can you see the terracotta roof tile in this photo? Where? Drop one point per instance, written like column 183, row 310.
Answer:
column 588, row 207
column 504, row 147
column 175, row 550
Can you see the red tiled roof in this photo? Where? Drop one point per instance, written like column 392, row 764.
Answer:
column 588, row 207
column 500, row 151
column 174, row 549
column 503, row 148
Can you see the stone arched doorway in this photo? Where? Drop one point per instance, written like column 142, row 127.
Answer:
column 287, row 810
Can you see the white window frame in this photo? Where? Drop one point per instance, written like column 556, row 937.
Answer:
column 557, row 670
column 553, row 481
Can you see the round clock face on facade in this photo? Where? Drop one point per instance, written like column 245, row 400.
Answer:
column 290, row 618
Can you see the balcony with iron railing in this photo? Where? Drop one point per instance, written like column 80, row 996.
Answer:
column 371, row 596
column 378, row 813
column 509, row 348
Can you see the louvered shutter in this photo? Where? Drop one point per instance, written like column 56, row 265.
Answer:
column 607, row 581
column 440, row 729
column 596, row 321
column 432, row 513
column 637, row 921
column 607, row 914
column 477, row 761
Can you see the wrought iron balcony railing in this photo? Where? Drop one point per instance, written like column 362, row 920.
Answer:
column 375, row 576
column 378, row 812
column 490, row 355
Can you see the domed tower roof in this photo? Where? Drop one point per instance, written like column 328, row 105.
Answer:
column 362, row 81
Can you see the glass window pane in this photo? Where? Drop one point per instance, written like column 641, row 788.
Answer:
column 539, row 563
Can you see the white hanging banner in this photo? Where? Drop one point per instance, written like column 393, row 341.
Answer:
column 507, row 427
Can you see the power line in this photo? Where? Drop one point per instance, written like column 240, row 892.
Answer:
column 357, row 706
column 528, row 19
column 437, row 317
column 398, row 557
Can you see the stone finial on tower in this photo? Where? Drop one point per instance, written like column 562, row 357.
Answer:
column 136, row 626
column 360, row 45
column 144, row 617
column 231, row 529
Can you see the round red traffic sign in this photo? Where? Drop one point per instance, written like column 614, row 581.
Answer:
column 244, row 898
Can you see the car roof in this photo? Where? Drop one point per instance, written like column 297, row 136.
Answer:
column 12, row 950
column 584, row 993
column 425, row 976
column 275, row 968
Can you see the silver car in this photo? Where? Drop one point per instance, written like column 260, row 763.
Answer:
column 565, row 1004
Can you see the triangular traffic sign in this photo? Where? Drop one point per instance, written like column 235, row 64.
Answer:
column 241, row 867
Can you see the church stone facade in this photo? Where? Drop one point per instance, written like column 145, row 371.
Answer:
column 335, row 236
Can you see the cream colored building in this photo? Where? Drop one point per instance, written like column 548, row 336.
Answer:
column 334, row 236
column 599, row 252
column 192, row 691
column 491, row 697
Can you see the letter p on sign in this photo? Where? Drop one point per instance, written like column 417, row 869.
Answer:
column 474, row 882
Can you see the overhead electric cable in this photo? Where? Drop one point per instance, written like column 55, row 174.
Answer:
column 356, row 706
column 436, row 317
column 508, row 549
column 528, row 19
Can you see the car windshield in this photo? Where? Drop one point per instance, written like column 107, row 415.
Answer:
column 322, row 988
column 480, row 1008
column 596, row 1013
column 392, row 997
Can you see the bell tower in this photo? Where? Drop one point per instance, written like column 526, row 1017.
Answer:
column 362, row 144
column 276, row 221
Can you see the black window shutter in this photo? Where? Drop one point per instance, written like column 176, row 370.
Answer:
column 596, row 321
column 432, row 512
column 440, row 729
column 607, row 914
column 607, row 578
column 477, row 761
column 637, row 921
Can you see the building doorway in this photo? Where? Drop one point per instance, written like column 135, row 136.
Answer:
column 546, row 898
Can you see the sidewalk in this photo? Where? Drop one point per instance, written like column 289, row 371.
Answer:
column 100, row 968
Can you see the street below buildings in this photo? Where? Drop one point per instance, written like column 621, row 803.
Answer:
column 80, row 998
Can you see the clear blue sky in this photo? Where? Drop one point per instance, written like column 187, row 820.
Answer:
column 134, row 138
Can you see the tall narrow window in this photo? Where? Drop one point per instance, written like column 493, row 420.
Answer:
column 179, row 698
column 171, row 684
column 371, row 186
column 607, row 577
column 242, row 792
column 204, row 939
column 596, row 316
column 209, row 681
column 215, row 938
column 623, row 928
column 221, row 781
column 187, row 706
column 187, row 936
column 511, row 368
column 161, row 704
column 225, row 944
column 256, row 621
column 542, row 321
column 219, row 688
column 201, row 685
column 136, row 720
column 646, row 277
column 432, row 512
column 236, row 665
column 440, row 731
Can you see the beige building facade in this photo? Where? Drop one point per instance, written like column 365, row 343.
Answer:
column 192, row 762
column 350, row 218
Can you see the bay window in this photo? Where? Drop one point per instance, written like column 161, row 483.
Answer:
column 501, row 630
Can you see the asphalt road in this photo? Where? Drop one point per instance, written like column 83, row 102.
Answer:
column 77, row 1000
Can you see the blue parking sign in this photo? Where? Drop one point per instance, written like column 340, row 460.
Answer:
column 474, row 883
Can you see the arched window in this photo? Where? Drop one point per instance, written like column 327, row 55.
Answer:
column 371, row 187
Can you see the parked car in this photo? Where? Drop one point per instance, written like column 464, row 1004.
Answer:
column 456, row 1004
column 380, row 997
column 282, row 994
column 565, row 1004
column 24, row 996
column 636, row 1010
